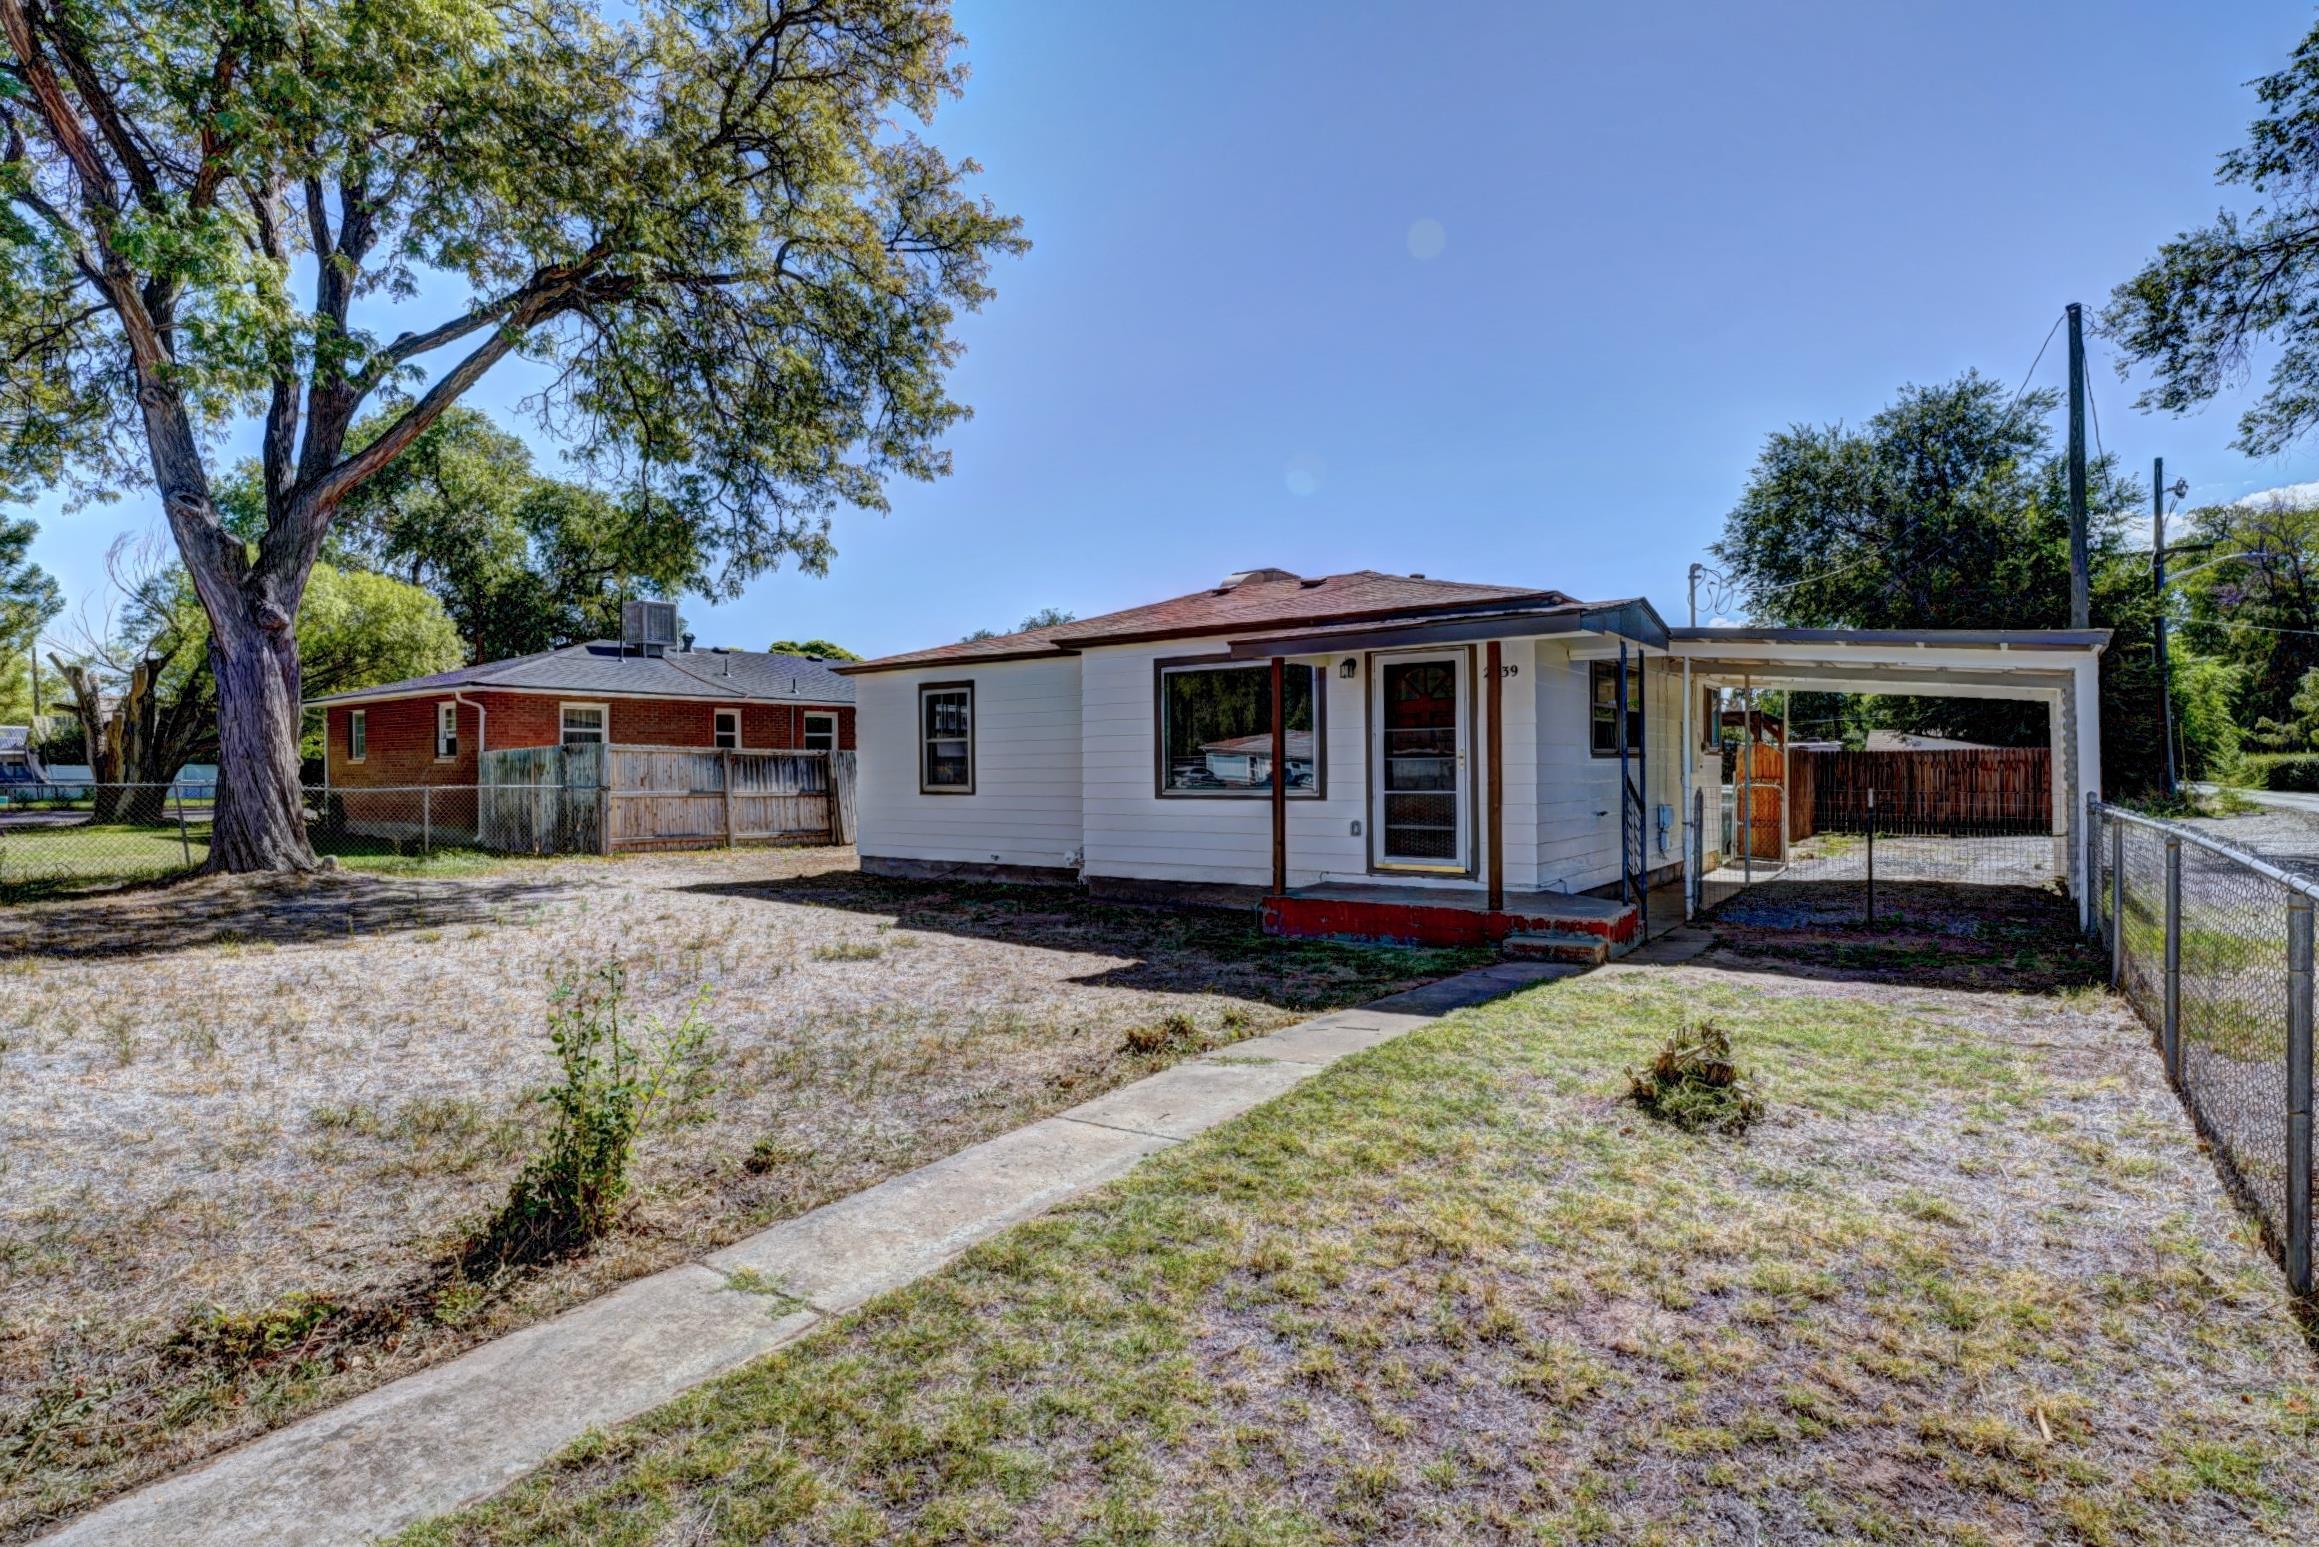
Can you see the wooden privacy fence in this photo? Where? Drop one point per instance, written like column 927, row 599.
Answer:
column 1965, row 790
column 610, row 800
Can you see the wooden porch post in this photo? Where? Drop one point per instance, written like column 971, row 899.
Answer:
column 1280, row 778
column 1495, row 709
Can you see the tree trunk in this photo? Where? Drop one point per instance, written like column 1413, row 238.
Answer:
column 261, row 818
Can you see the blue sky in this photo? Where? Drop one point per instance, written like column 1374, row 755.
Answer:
column 1492, row 292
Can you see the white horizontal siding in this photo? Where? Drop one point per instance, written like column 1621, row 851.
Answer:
column 1578, row 811
column 1025, row 805
column 1135, row 833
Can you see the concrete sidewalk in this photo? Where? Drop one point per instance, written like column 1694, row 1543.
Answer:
column 463, row 1430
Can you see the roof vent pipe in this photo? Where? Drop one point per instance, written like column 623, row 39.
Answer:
column 688, row 644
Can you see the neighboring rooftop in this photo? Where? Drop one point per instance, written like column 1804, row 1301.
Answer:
column 604, row 666
column 1249, row 599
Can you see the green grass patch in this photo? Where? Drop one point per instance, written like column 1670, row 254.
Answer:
column 1456, row 1289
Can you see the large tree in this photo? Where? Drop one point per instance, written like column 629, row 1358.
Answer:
column 2196, row 311
column 1947, row 509
column 146, row 693
column 710, row 222
column 523, row 562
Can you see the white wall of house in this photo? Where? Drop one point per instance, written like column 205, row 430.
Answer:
column 1577, row 792
column 1025, row 806
column 1135, row 833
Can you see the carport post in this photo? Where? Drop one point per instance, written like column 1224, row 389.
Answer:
column 2170, row 1028
column 2299, row 1275
column 2117, row 903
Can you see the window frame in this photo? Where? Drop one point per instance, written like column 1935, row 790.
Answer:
column 1176, row 665
column 1637, row 721
column 446, row 731
column 717, row 739
column 1710, row 720
column 564, row 707
column 973, row 737
column 358, row 735
column 806, row 718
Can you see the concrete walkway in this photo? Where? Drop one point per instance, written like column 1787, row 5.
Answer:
column 462, row 1431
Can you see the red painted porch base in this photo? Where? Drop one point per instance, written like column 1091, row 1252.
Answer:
column 1405, row 923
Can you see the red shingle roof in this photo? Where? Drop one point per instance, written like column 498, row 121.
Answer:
column 1253, row 604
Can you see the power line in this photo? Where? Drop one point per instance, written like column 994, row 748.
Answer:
column 2032, row 371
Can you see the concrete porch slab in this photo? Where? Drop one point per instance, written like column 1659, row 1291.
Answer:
column 844, row 1252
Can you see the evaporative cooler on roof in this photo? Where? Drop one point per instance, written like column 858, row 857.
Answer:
column 649, row 626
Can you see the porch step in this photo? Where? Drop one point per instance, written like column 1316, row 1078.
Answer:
column 1558, row 945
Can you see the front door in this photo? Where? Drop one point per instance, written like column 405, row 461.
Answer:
column 1418, row 800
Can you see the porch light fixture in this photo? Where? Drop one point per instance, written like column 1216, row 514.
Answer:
column 1347, row 670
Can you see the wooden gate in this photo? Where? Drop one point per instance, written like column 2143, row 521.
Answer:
column 541, row 800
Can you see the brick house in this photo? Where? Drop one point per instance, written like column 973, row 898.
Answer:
column 429, row 731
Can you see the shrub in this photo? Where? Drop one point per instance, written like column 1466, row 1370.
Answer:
column 1694, row 1085
column 613, row 1082
column 2298, row 771
column 1178, row 1031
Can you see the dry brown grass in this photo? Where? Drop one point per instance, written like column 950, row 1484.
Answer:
column 248, row 1125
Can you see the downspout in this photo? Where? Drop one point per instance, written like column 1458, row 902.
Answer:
column 481, row 726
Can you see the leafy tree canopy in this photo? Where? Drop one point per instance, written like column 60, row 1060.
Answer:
column 2252, row 600
column 2195, row 312
column 28, row 594
column 818, row 649
column 714, row 226
column 1948, row 509
column 522, row 562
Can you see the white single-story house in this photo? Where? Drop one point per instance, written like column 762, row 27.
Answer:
column 1459, row 765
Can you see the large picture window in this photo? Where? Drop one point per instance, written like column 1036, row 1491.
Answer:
column 946, row 738
column 1603, row 680
column 1215, row 730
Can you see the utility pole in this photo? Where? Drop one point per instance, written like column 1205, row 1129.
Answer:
column 2158, row 583
column 2080, row 594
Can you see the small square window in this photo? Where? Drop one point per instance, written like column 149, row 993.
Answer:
column 586, row 725
column 446, row 730
column 820, row 734
column 729, row 728
column 357, row 735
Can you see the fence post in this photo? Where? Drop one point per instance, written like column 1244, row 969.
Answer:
column 2087, row 896
column 185, row 842
column 2117, row 903
column 426, row 819
column 2170, row 1027
column 2299, row 1276
column 729, row 838
column 1871, row 854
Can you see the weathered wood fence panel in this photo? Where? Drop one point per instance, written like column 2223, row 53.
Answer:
column 541, row 800
column 1963, row 790
column 587, row 800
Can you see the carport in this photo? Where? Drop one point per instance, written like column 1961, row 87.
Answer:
column 2059, row 668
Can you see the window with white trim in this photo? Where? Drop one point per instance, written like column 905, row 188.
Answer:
column 946, row 739
column 586, row 725
column 820, row 733
column 357, row 735
column 446, row 730
column 729, row 729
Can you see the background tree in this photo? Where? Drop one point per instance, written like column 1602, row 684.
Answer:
column 818, row 649
column 521, row 561
column 1947, row 510
column 2195, row 312
column 145, row 696
column 2252, row 601
column 712, row 222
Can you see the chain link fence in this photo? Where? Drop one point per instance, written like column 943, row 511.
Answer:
column 65, row 836
column 1860, row 840
column 2213, row 948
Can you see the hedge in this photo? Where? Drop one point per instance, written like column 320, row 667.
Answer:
column 2279, row 771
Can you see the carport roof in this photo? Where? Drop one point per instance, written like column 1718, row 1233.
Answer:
column 2094, row 639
